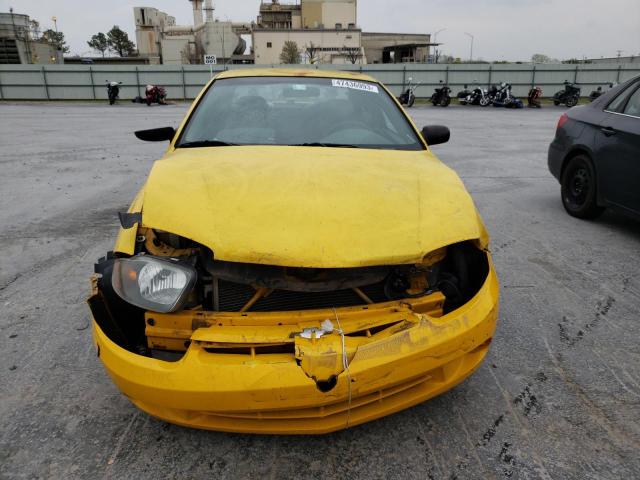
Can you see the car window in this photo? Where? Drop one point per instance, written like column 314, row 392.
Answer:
column 618, row 103
column 299, row 111
column 633, row 105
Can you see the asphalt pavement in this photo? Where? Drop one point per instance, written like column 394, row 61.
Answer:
column 557, row 398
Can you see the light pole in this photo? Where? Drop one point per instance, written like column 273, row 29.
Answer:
column 471, row 37
column 435, row 40
column 55, row 23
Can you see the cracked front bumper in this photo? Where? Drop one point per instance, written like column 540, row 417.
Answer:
column 277, row 394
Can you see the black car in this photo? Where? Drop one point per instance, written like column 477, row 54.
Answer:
column 596, row 154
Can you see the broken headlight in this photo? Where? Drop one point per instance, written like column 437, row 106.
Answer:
column 158, row 284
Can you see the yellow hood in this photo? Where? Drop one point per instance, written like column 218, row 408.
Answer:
column 310, row 207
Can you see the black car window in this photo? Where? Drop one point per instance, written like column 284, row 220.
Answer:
column 619, row 102
column 633, row 105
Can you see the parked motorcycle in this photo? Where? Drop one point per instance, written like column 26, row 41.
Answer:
column 504, row 98
column 533, row 98
column 155, row 94
column 478, row 96
column 569, row 96
column 408, row 97
column 442, row 96
column 598, row 92
column 464, row 93
column 113, row 90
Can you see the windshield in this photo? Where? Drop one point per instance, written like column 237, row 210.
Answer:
column 298, row 111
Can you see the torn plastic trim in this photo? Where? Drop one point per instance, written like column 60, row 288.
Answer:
column 129, row 220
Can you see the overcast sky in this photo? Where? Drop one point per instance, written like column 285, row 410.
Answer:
column 503, row 29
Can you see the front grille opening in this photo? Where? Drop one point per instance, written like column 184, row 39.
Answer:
column 234, row 296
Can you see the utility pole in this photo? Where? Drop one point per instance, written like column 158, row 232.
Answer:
column 471, row 53
column 435, row 40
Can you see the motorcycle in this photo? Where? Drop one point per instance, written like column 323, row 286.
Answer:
column 533, row 98
column 113, row 90
column 504, row 98
column 478, row 96
column 442, row 96
column 464, row 93
column 155, row 94
column 598, row 92
column 408, row 97
column 569, row 96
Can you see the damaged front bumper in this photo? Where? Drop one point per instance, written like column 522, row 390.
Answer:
column 256, row 373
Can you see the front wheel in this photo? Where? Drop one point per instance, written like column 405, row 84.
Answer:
column 484, row 102
column 572, row 101
column 579, row 189
column 411, row 101
column 444, row 102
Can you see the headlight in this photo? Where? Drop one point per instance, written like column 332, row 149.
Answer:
column 153, row 283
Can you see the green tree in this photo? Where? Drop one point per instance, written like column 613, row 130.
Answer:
column 290, row 53
column 540, row 58
column 119, row 42
column 99, row 43
column 56, row 39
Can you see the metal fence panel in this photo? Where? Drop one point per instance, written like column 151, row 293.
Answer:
column 88, row 82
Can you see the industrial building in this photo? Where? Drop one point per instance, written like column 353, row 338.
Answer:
column 162, row 41
column 20, row 41
column 325, row 31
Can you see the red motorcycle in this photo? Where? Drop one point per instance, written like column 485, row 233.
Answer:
column 155, row 94
column 534, row 97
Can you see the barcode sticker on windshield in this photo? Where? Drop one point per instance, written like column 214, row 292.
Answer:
column 365, row 87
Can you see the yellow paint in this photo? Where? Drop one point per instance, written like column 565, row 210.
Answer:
column 305, row 207
column 272, row 394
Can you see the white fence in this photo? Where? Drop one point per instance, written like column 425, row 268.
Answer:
column 87, row 82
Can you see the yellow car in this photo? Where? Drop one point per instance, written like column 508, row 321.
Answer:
column 298, row 262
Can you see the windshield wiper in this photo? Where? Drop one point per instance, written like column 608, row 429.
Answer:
column 329, row 145
column 206, row 143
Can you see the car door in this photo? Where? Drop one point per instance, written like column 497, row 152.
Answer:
column 617, row 150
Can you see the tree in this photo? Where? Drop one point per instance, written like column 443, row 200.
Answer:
column 351, row 53
column 99, row 43
column 312, row 53
column 290, row 53
column 56, row 39
column 119, row 42
column 540, row 58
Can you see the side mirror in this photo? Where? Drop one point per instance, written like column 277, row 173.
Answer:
column 156, row 134
column 436, row 134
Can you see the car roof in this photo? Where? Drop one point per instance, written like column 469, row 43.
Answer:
column 294, row 72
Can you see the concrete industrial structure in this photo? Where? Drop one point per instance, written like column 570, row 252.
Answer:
column 325, row 31
column 162, row 41
column 21, row 42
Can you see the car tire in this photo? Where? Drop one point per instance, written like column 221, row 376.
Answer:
column 579, row 189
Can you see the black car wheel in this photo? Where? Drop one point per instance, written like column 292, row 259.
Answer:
column 579, row 189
